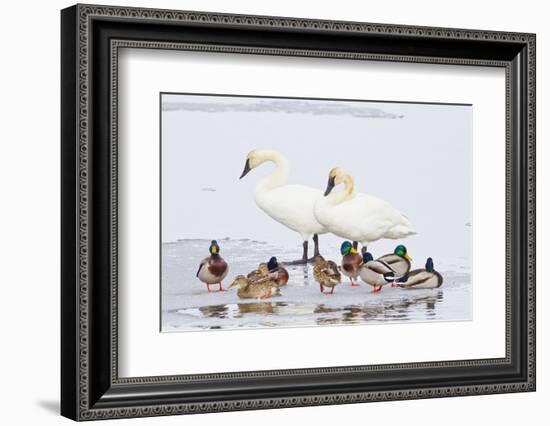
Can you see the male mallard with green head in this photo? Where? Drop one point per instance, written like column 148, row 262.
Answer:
column 422, row 278
column 399, row 260
column 213, row 269
column 376, row 273
column 261, row 288
column 326, row 273
column 279, row 272
column 352, row 262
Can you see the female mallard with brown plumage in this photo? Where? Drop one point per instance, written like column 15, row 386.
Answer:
column 352, row 262
column 262, row 271
column 399, row 260
column 260, row 288
column 326, row 273
column 274, row 269
column 422, row 278
column 213, row 269
column 376, row 273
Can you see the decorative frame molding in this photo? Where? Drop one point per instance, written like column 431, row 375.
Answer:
column 91, row 388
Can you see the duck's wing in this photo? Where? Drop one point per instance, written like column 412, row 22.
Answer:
column 254, row 274
column 390, row 259
column 387, row 265
column 416, row 278
column 332, row 269
column 203, row 262
column 264, row 280
column 380, row 267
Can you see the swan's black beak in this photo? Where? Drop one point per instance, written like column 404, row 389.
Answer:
column 246, row 168
column 330, row 185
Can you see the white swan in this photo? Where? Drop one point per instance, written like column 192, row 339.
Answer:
column 290, row 205
column 358, row 217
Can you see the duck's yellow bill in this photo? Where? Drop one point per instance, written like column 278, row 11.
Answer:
column 408, row 257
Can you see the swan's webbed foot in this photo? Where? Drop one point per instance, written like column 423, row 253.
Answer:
column 305, row 260
column 295, row 262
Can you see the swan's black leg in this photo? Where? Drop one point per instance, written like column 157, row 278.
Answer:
column 316, row 245
column 304, row 260
column 304, row 255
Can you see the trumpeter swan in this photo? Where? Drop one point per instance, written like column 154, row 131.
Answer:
column 290, row 205
column 358, row 217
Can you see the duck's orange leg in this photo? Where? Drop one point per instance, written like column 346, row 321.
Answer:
column 266, row 295
column 327, row 292
column 221, row 286
column 377, row 288
column 353, row 284
column 208, row 287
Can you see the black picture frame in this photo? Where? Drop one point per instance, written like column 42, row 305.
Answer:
column 90, row 38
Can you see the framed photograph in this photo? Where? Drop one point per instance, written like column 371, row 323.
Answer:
column 263, row 212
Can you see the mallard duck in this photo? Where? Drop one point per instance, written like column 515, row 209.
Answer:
column 279, row 272
column 326, row 273
column 262, row 271
column 376, row 273
column 213, row 269
column 351, row 262
column 358, row 217
column 261, row 288
column 422, row 278
column 399, row 260
column 290, row 205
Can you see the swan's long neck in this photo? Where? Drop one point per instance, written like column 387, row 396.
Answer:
column 278, row 177
column 346, row 194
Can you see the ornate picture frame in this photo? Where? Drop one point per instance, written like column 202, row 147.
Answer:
column 91, row 37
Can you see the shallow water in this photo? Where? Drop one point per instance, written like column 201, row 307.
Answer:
column 186, row 304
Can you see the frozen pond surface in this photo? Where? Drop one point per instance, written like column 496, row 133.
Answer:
column 186, row 305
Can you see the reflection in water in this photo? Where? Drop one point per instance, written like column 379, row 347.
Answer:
column 305, row 273
column 214, row 311
column 404, row 308
column 256, row 308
